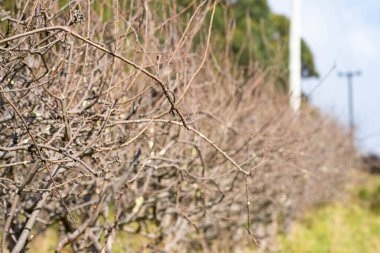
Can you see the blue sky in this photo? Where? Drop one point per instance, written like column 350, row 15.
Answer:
column 344, row 33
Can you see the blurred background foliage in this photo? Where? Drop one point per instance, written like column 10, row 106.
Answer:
column 259, row 37
column 248, row 29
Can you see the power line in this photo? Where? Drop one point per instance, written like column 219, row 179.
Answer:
column 324, row 78
column 350, row 75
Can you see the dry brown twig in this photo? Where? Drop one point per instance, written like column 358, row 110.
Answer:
column 86, row 132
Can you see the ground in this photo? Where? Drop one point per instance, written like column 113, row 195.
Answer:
column 350, row 226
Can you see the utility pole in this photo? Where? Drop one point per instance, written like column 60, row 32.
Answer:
column 350, row 75
column 295, row 56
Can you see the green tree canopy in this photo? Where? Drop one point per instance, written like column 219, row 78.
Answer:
column 259, row 35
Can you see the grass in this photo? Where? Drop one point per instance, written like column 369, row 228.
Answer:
column 336, row 229
column 350, row 227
